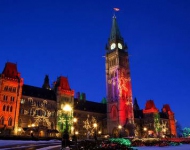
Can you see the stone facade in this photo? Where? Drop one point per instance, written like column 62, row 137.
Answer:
column 33, row 111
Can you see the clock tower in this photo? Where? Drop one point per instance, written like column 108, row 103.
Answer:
column 118, row 84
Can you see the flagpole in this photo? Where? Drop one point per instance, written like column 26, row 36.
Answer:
column 115, row 9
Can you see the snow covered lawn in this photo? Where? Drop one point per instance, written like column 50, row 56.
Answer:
column 13, row 142
column 180, row 147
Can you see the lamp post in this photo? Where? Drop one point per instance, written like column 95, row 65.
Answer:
column 119, row 127
column 74, row 124
column 75, row 132
column 145, row 130
column 65, row 139
column 95, row 127
column 164, row 133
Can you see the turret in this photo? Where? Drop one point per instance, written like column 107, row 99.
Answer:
column 46, row 83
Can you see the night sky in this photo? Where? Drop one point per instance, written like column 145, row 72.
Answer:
column 59, row 37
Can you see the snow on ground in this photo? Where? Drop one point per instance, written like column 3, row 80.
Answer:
column 13, row 142
column 180, row 147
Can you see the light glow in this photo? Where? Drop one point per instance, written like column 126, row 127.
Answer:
column 67, row 108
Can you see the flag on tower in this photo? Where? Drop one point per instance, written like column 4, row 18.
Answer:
column 116, row 9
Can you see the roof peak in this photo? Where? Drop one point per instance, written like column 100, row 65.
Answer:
column 10, row 70
column 115, row 32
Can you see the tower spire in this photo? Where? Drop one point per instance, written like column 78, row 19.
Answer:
column 118, row 82
column 115, row 33
column 115, row 41
column 46, row 83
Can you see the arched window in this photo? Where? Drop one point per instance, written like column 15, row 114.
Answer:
column 11, row 109
column 4, row 107
column 5, row 88
column 114, row 112
column 10, row 122
column 7, row 108
column 10, row 89
column 2, row 121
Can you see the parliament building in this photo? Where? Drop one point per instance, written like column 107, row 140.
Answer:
column 27, row 110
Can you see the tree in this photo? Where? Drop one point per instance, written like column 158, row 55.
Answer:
column 179, row 129
column 104, row 101
column 186, row 132
column 88, row 125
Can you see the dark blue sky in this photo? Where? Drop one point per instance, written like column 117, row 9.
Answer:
column 58, row 37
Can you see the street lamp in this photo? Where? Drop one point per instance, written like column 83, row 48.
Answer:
column 95, row 127
column 65, row 140
column 75, row 133
column 74, row 124
column 119, row 127
column 164, row 132
column 145, row 130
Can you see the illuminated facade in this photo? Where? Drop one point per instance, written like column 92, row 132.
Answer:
column 10, row 94
column 27, row 110
column 118, row 83
column 120, row 108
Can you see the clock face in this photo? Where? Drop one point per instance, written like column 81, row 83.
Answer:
column 120, row 46
column 113, row 45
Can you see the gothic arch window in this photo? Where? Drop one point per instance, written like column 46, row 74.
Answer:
column 30, row 100
column 10, row 89
column 5, row 97
column 114, row 112
column 10, row 122
column 14, row 89
column 11, row 109
column 2, row 121
column 7, row 108
column 5, row 88
column 4, row 107
column 12, row 98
